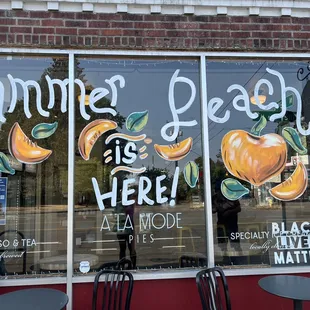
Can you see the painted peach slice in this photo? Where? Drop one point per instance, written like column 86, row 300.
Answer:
column 23, row 149
column 176, row 151
column 254, row 159
column 294, row 186
column 91, row 133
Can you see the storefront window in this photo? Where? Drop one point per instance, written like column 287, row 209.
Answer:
column 33, row 165
column 138, row 168
column 258, row 136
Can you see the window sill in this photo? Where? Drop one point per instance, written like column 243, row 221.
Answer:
column 159, row 274
column 191, row 273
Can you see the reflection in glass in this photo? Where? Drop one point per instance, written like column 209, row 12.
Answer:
column 134, row 201
column 259, row 159
column 34, row 152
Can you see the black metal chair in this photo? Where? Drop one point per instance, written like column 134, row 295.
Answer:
column 213, row 289
column 191, row 261
column 122, row 264
column 116, row 294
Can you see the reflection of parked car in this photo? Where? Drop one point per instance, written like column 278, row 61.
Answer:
column 247, row 201
column 196, row 202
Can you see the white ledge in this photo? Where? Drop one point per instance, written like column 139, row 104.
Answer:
column 159, row 274
column 295, row 8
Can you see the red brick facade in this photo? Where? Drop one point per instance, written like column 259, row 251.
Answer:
column 153, row 32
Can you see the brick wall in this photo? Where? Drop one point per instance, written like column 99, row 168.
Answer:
column 153, row 32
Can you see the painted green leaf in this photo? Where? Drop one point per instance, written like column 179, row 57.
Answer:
column 191, row 173
column 292, row 137
column 44, row 130
column 266, row 114
column 259, row 126
column 136, row 121
column 5, row 164
column 233, row 189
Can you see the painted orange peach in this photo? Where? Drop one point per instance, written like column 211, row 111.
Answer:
column 91, row 133
column 294, row 186
column 254, row 159
column 23, row 149
column 176, row 151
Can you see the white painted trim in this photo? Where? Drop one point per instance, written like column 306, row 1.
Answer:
column 191, row 273
column 155, row 9
column 266, row 271
column 286, row 12
column 17, row 4
column 206, row 160
column 87, row 7
column 122, row 8
column 221, row 10
column 163, row 274
column 52, row 6
column 71, row 164
column 298, row 8
column 254, row 11
column 189, row 9
column 33, row 281
column 218, row 55
column 151, row 274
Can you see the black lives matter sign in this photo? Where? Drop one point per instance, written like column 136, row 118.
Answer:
column 292, row 244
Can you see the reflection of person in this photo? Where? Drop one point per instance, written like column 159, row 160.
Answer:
column 126, row 236
column 227, row 219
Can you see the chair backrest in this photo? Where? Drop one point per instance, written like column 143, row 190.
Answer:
column 108, row 266
column 212, row 285
column 122, row 264
column 191, row 261
column 116, row 294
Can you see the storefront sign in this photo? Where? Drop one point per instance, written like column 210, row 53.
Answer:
column 84, row 266
column 250, row 157
column 240, row 102
column 292, row 244
column 135, row 122
column 139, row 185
column 3, row 200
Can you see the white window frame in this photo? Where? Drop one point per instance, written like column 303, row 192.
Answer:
column 70, row 278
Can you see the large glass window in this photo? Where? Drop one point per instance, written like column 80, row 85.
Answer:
column 258, row 136
column 33, row 166
column 138, row 176
column 138, row 167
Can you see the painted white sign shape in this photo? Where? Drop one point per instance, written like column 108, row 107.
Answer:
column 176, row 123
column 241, row 102
column 84, row 266
column 95, row 95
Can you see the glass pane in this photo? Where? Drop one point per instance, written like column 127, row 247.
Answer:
column 33, row 165
column 138, row 186
column 259, row 162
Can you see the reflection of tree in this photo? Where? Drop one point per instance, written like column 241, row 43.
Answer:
column 48, row 177
column 218, row 171
column 52, row 173
column 83, row 175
